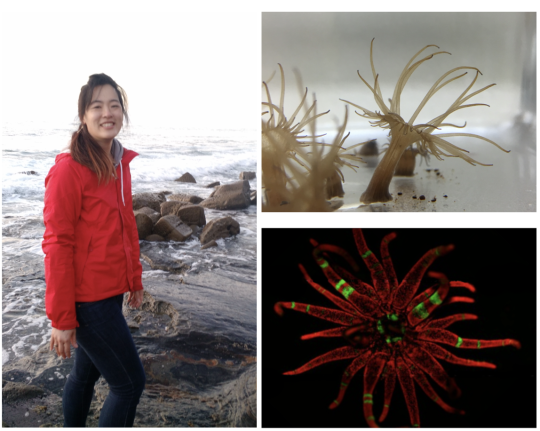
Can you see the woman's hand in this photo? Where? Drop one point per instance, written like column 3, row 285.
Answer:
column 61, row 341
column 135, row 298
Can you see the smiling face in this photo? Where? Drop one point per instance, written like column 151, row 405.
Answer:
column 104, row 115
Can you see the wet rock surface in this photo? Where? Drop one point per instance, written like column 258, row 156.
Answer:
column 196, row 336
column 150, row 200
column 186, row 178
column 219, row 228
column 229, row 196
column 172, row 228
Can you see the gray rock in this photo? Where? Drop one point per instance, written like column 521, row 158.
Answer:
column 247, row 175
column 154, row 215
column 212, row 185
column 219, row 228
column 186, row 178
column 229, row 196
column 150, row 200
column 181, row 197
column 144, row 224
column 14, row 391
column 191, row 214
column 170, row 207
column 172, row 228
column 29, row 173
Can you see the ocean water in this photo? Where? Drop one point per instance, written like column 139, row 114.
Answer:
column 165, row 153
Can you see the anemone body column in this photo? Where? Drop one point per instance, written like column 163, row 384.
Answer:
column 378, row 189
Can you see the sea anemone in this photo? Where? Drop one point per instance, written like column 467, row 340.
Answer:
column 404, row 134
column 295, row 178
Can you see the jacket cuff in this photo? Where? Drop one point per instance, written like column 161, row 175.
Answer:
column 64, row 326
column 137, row 285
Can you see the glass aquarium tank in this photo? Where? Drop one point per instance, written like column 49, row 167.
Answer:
column 485, row 157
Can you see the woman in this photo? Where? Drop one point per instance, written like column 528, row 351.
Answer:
column 91, row 251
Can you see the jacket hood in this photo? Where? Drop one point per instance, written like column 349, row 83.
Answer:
column 117, row 151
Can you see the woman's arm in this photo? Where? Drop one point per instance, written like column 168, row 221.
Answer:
column 63, row 200
column 135, row 296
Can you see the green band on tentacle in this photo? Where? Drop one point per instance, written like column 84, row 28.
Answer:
column 307, row 308
column 478, row 345
column 437, row 252
column 324, row 264
column 459, row 342
column 420, row 311
column 435, row 299
column 366, row 254
column 347, row 292
column 292, row 304
column 340, row 283
column 368, row 396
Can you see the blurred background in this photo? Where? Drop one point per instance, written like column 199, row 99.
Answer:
column 327, row 49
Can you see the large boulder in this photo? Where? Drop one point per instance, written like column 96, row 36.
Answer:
column 150, row 200
column 232, row 196
column 247, row 175
column 219, row 228
column 182, row 197
column 172, row 228
column 212, row 185
column 154, row 215
column 191, row 215
column 186, row 178
column 170, row 207
column 144, row 225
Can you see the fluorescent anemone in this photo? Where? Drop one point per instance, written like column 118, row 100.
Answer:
column 404, row 134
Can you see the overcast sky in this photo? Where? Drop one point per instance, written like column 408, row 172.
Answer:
column 180, row 66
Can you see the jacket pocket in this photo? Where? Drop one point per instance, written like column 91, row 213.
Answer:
column 81, row 257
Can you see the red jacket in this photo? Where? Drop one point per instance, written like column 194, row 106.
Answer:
column 90, row 242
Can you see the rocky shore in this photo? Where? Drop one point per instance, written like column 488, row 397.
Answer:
column 195, row 332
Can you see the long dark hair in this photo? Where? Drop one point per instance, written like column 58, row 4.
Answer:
column 83, row 148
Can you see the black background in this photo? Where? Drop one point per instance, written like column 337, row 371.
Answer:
column 500, row 263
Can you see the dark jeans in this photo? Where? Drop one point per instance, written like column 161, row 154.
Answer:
column 105, row 348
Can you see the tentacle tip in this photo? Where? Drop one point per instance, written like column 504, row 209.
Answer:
column 289, row 373
column 516, row 344
column 313, row 242
column 333, row 404
column 278, row 308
